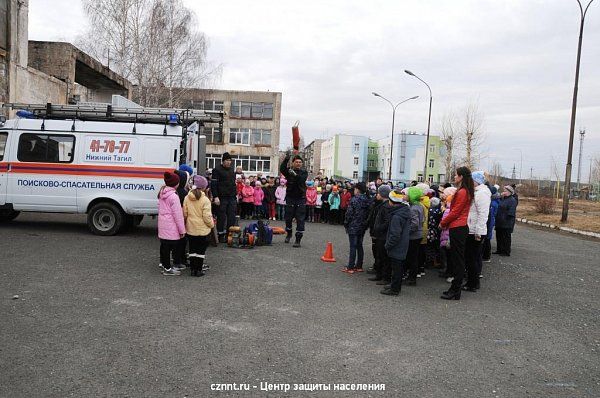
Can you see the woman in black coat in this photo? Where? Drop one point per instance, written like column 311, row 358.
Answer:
column 505, row 221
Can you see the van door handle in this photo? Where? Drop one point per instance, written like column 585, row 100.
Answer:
column 175, row 155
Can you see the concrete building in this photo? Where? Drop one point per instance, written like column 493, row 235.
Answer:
column 312, row 157
column 409, row 156
column 41, row 72
column 344, row 156
column 251, row 127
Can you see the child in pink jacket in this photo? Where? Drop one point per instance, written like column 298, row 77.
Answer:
column 259, row 195
column 247, row 200
column 311, row 200
column 280, row 194
column 171, row 226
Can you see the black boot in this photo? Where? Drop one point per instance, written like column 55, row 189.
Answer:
column 298, row 239
column 451, row 295
column 288, row 237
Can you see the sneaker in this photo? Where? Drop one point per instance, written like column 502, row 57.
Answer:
column 371, row 271
column 487, row 261
column 480, row 275
column 348, row 270
column 160, row 266
column 420, row 274
column 171, row 272
column 389, row 292
column 178, row 267
column 358, row 269
column 450, row 279
column 205, row 267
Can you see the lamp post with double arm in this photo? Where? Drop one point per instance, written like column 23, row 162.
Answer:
column 428, row 122
column 393, row 121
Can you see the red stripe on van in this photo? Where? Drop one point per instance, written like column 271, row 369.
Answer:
column 87, row 170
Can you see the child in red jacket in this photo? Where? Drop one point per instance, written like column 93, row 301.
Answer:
column 345, row 201
column 311, row 200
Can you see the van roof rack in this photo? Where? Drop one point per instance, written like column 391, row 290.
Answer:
column 110, row 113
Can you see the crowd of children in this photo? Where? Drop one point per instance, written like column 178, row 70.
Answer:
column 411, row 228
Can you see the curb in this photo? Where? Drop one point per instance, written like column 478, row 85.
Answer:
column 559, row 228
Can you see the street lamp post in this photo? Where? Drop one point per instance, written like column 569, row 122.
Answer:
column 428, row 122
column 393, row 121
column 567, row 187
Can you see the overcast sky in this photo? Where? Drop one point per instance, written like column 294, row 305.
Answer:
column 514, row 58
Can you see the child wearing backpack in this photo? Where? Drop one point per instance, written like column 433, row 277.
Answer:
column 198, row 223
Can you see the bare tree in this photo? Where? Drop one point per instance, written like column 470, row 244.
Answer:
column 471, row 135
column 595, row 177
column 448, row 134
column 495, row 173
column 153, row 43
column 555, row 175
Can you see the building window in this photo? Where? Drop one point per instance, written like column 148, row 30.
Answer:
column 420, row 178
column 251, row 110
column 432, row 148
column 213, row 135
column 212, row 160
column 205, row 105
column 431, row 163
column 261, row 137
column 355, row 175
column 430, row 179
column 371, row 163
column 239, row 136
column 3, row 138
column 46, row 148
column 259, row 164
column 356, row 147
column 356, row 161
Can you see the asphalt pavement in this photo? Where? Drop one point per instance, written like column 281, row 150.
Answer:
column 89, row 316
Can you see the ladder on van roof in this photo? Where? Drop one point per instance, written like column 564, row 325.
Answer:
column 110, row 113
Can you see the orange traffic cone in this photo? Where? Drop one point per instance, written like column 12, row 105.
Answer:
column 328, row 256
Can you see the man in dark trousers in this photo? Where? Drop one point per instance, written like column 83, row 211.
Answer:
column 224, row 194
column 295, row 197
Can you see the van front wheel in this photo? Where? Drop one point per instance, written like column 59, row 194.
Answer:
column 105, row 219
column 8, row 215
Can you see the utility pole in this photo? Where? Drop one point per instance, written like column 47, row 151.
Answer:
column 567, row 187
column 581, row 136
column 531, row 175
column 590, row 176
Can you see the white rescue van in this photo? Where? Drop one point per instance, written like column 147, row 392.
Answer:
column 110, row 170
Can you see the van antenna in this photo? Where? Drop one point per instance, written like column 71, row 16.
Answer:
column 134, row 124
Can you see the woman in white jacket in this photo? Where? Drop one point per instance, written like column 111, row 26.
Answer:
column 477, row 222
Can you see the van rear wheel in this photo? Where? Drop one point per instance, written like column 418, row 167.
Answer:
column 8, row 215
column 105, row 219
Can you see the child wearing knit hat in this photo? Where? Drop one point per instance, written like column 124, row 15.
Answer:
column 197, row 214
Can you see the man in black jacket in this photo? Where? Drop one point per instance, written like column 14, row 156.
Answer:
column 295, row 198
column 396, row 243
column 378, row 234
column 224, row 194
